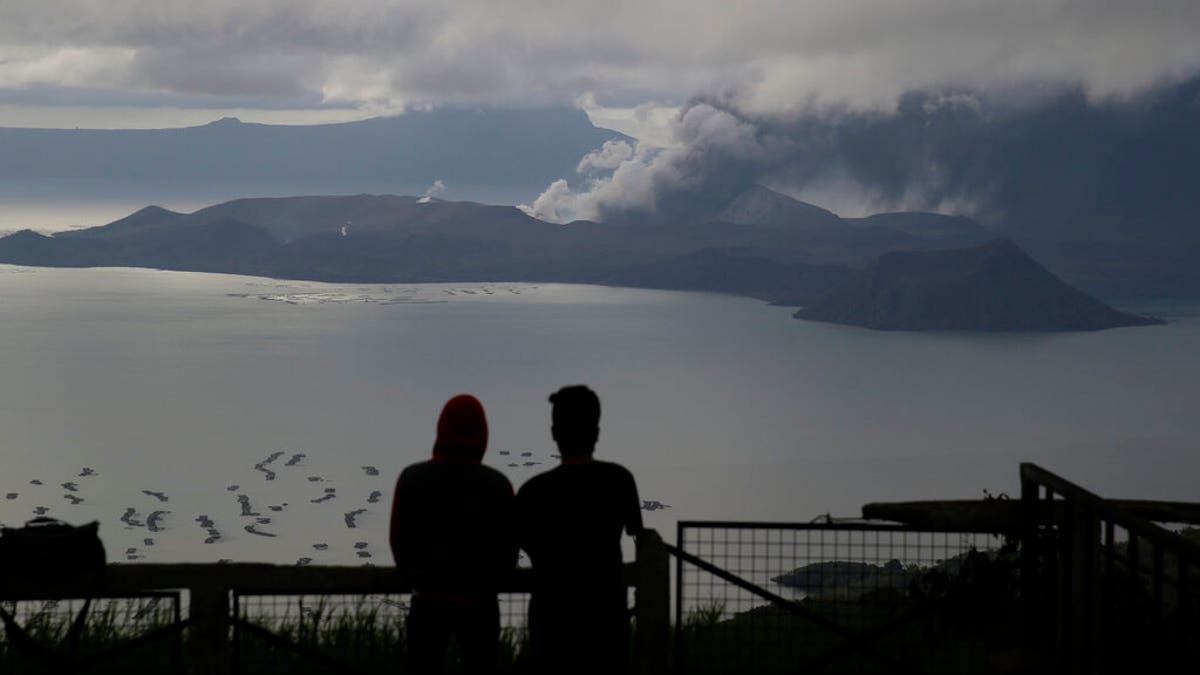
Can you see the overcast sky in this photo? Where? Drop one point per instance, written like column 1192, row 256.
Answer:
column 106, row 63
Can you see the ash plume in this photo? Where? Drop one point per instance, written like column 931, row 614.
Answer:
column 1044, row 159
column 432, row 192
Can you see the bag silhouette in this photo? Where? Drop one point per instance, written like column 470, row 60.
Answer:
column 48, row 548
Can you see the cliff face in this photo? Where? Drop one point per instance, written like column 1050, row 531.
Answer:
column 993, row 287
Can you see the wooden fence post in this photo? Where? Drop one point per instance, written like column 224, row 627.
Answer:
column 208, row 651
column 1030, row 495
column 653, row 605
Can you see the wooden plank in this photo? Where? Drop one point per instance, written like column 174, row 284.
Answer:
column 247, row 577
column 1004, row 515
column 972, row 515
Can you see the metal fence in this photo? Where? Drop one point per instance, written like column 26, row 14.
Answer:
column 1106, row 591
column 109, row 634
column 788, row 597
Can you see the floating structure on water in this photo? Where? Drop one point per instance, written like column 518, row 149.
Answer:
column 351, row 518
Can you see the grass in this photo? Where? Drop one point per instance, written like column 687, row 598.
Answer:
column 368, row 637
column 48, row 643
column 362, row 636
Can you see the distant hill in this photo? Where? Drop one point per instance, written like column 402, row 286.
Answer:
column 802, row 256
column 993, row 287
column 494, row 148
column 293, row 218
column 922, row 224
column 740, row 272
column 849, row 241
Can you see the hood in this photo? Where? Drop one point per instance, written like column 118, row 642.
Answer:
column 462, row 431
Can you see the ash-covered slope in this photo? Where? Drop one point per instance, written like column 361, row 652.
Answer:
column 759, row 205
column 993, row 287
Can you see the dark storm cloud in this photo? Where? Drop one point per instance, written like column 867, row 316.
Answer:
column 1057, row 161
column 1050, row 160
column 217, row 72
column 784, row 55
column 1001, row 108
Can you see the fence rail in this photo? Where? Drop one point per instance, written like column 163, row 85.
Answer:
column 211, row 589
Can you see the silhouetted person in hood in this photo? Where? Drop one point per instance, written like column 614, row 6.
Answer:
column 571, row 519
column 452, row 538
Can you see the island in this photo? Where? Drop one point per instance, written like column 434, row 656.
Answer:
column 992, row 287
column 898, row 271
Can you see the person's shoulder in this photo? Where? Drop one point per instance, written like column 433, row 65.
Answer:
column 613, row 468
column 494, row 475
column 491, row 471
column 533, row 483
column 538, row 482
column 415, row 469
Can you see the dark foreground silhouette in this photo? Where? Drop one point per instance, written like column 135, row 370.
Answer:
column 570, row 521
column 451, row 536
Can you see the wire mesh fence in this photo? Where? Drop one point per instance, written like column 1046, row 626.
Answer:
column 785, row 598
column 322, row 633
column 116, row 634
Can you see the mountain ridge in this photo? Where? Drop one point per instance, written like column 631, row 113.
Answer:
column 514, row 148
column 404, row 239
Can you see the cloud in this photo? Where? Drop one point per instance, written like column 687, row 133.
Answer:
column 215, row 72
column 1050, row 160
column 775, row 57
column 716, row 156
column 66, row 66
column 610, row 156
column 992, row 107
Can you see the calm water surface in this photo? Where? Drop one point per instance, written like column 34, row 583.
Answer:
column 724, row 407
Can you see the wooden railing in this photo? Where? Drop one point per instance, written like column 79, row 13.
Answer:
column 210, row 588
column 1106, row 589
column 1085, row 559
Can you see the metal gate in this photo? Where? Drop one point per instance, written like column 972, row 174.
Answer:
column 864, row 597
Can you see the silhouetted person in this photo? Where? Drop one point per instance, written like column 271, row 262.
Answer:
column 452, row 537
column 571, row 519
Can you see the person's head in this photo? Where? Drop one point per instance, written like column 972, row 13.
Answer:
column 575, row 421
column 462, row 431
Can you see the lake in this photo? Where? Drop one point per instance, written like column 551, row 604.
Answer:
column 173, row 386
